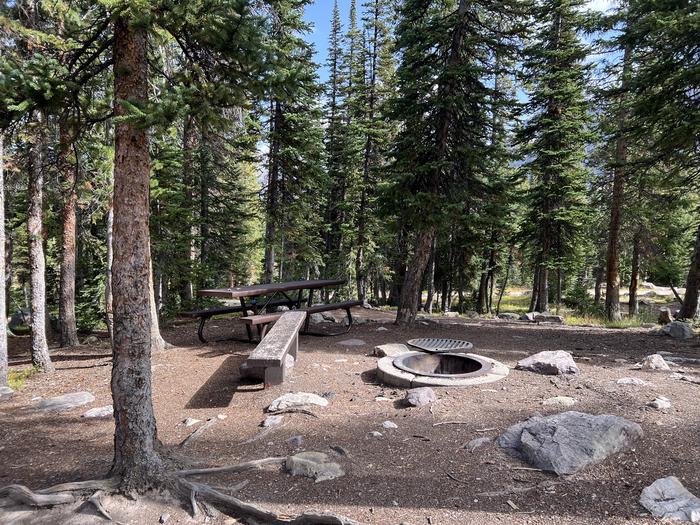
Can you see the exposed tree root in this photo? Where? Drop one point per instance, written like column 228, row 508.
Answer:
column 243, row 509
column 95, row 500
column 56, row 495
column 240, row 467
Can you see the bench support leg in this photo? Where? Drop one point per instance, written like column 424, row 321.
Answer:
column 274, row 375
column 200, row 329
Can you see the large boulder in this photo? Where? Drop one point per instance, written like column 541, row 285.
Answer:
column 549, row 363
column 677, row 330
column 654, row 362
column 298, row 400
column 66, row 402
column 529, row 316
column 548, row 318
column 668, row 499
column 509, row 316
column 567, row 442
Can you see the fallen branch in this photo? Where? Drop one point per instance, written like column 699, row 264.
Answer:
column 455, row 478
column 248, row 509
column 451, row 423
column 194, row 435
column 240, row 467
column 304, row 411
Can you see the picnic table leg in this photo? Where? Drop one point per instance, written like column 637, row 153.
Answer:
column 310, row 301
column 300, row 297
column 245, row 312
column 200, row 329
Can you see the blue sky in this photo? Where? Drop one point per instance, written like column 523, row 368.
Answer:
column 319, row 14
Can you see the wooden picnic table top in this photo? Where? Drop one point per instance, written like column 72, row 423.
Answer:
column 267, row 289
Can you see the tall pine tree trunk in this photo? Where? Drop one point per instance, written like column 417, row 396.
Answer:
column 66, row 303
column 136, row 459
column 109, row 306
column 3, row 305
column 189, row 143
column 689, row 310
column 37, row 264
column 272, row 194
column 426, row 234
column 634, row 276
column 612, row 284
column 431, row 279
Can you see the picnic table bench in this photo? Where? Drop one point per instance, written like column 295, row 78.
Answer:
column 262, row 321
column 208, row 313
column 269, row 359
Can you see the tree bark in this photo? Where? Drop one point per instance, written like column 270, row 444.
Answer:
column 109, row 309
column 408, row 308
column 3, row 305
column 612, row 284
column 66, row 303
column 272, row 193
column 189, row 143
column 599, row 274
column 431, row 279
column 689, row 310
column 37, row 264
column 136, row 460
column 634, row 277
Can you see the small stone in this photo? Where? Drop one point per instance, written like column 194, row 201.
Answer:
column 668, row 499
column 191, row 421
column 389, row 424
column 295, row 441
column 314, row 465
column 298, row 400
column 221, row 416
column 660, row 403
column 6, row 393
column 381, row 398
column 391, row 350
column 631, row 381
column 419, row 397
column 549, row 363
column 376, row 434
column 382, row 329
column 66, row 402
column 163, row 518
column 105, row 411
column 560, row 401
column 340, row 450
column 352, row 342
column 476, row 443
column 272, row 421
column 654, row 362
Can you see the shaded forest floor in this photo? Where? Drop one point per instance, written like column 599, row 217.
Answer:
column 417, row 473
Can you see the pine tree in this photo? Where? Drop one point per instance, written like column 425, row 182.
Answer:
column 555, row 138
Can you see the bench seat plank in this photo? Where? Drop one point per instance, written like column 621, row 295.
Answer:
column 318, row 308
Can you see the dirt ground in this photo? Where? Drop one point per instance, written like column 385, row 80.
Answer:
column 415, row 474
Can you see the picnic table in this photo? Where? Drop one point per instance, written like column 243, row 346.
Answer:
column 257, row 298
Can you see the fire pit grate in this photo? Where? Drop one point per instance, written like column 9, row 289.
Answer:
column 438, row 346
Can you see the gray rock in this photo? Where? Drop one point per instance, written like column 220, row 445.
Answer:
column 660, row 403
column 665, row 316
column 560, row 401
column 163, row 518
column 471, row 314
column 316, row 319
column 382, row 329
column 451, row 314
column 477, row 443
column 91, row 340
column 298, row 400
column 6, row 393
column 549, row 363
column 389, row 424
column 105, row 411
column 510, row 316
column 677, row 330
column 191, row 421
column 329, row 317
column 314, row 465
column 272, row 421
column 529, row 316
column 21, row 317
column 375, row 434
column 65, row 402
column 391, row 349
column 668, row 499
column 632, row 381
column 549, row 318
column 567, row 442
column 654, row 362
column 295, row 441
column 352, row 342
column 419, row 397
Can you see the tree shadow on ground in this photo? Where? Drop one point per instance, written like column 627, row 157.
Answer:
column 222, row 385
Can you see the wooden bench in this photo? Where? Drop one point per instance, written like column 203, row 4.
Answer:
column 205, row 315
column 261, row 322
column 269, row 359
column 319, row 308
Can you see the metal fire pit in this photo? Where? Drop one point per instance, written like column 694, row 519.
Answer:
column 439, row 346
column 455, row 366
